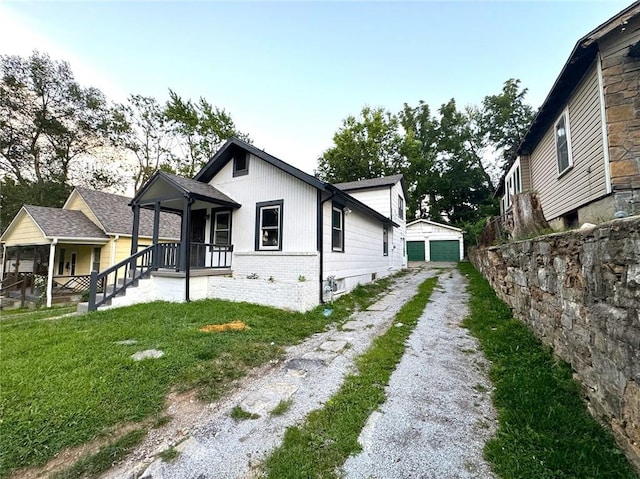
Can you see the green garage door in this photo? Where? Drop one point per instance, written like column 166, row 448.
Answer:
column 415, row 250
column 444, row 250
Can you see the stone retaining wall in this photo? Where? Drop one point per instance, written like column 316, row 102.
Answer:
column 579, row 291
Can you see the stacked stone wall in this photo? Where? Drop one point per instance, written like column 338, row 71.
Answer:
column 620, row 76
column 579, row 292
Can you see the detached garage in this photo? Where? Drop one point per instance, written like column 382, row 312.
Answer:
column 431, row 241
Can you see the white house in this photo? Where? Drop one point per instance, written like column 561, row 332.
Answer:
column 431, row 241
column 257, row 229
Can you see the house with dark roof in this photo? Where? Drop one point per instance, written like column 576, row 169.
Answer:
column 92, row 231
column 581, row 153
column 257, row 229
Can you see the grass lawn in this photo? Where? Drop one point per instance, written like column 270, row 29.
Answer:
column 66, row 382
column 545, row 431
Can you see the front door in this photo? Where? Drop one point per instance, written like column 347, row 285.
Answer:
column 198, row 248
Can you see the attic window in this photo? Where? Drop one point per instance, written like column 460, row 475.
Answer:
column 241, row 164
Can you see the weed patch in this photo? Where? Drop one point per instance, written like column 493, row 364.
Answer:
column 240, row 414
column 544, row 428
column 282, row 407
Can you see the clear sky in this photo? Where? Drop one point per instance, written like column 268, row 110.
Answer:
column 289, row 72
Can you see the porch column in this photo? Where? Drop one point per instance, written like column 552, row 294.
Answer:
column 135, row 229
column 4, row 261
column 185, row 242
column 52, row 258
column 156, row 234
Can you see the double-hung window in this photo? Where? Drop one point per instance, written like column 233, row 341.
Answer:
column 95, row 266
column 337, row 228
column 400, row 207
column 269, row 225
column 222, row 228
column 563, row 143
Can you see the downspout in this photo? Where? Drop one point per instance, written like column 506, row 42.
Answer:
column 320, row 238
column 52, row 257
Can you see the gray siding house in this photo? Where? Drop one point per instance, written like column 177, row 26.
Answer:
column 581, row 154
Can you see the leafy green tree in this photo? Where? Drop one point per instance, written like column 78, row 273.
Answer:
column 501, row 122
column 143, row 130
column 49, row 124
column 199, row 129
column 14, row 194
column 364, row 147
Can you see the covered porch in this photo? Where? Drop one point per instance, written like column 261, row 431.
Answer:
column 204, row 247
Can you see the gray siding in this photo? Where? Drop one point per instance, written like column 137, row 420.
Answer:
column 585, row 182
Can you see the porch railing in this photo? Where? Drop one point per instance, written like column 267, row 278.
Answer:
column 151, row 258
column 74, row 284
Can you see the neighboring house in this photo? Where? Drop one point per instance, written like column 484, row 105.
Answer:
column 92, row 231
column 431, row 241
column 581, row 154
column 259, row 230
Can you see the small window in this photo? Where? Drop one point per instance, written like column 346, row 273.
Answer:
column 222, row 228
column 400, row 207
column 269, row 225
column 61, row 262
column 337, row 228
column 95, row 265
column 385, row 241
column 563, row 143
column 517, row 178
column 241, row 164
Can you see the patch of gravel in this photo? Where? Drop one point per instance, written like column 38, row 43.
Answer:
column 213, row 445
column 438, row 414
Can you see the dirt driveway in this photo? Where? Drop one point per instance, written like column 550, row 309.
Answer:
column 436, row 419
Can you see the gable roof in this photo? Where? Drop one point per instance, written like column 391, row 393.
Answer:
column 116, row 217
column 422, row 220
column 198, row 189
column 235, row 145
column 374, row 183
column 59, row 223
column 583, row 54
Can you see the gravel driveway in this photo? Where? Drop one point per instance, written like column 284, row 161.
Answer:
column 434, row 424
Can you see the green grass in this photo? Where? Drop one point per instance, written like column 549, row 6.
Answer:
column 282, row 407
column 330, row 435
column 240, row 414
column 545, row 431
column 97, row 463
column 12, row 316
column 66, row 382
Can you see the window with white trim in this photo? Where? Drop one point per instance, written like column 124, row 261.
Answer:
column 269, row 225
column 400, row 207
column 563, row 143
column 222, row 228
column 95, row 264
column 337, row 228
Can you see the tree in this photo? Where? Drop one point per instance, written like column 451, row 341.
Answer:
column 49, row 124
column 144, row 131
column 199, row 130
column 501, row 123
column 366, row 147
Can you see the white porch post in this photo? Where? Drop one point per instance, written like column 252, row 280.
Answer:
column 52, row 258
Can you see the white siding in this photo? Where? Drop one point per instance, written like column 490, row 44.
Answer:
column 363, row 255
column 377, row 199
column 586, row 180
column 265, row 182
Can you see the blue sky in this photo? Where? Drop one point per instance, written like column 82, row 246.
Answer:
column 289, row 72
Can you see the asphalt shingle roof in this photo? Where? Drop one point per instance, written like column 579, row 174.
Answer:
column 116, row 216
column 199, row 188
column 371, row 183
column 56, row 222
